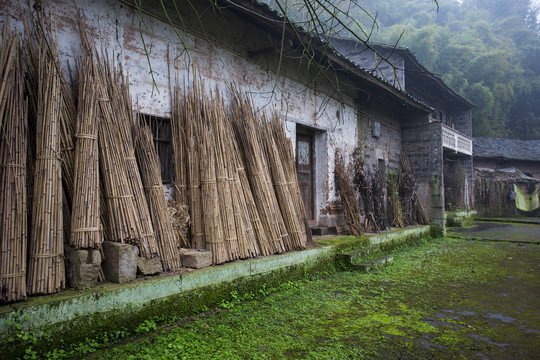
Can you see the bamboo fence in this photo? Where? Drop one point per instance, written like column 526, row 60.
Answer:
column 151, row 176
column 85, row 218
column 13, row 154
column 46, row 272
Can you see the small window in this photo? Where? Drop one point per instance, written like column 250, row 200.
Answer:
column 161, row 129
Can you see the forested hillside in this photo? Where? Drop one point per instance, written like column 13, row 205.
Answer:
column 486, row 50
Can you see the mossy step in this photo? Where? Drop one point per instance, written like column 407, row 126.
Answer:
column 351, row 257
column 373, row 264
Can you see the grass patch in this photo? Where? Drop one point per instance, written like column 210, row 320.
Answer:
column 444, row 299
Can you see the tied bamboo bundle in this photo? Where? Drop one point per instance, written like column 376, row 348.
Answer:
column 179, row 149
column 122, row 223
column 285, row 193
column 85, row 219
column 347, row 195
column 363, row 186
column 37, row 37
column 239, row 234
column 13, row 152
column 153, row 186
column 121, row 101
column 286, row 154
column 414, row 211
column 191, row 118
column 227, row 209
column 46, row 272
column 393, row 184
column 246, row 129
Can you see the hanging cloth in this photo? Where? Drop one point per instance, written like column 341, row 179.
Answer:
column 527, row 202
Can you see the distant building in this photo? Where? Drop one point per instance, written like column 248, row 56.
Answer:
column 498, row 154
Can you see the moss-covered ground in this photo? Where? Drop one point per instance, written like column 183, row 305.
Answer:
column 444, row 299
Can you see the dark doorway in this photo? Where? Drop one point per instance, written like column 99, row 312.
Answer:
column 305, row 171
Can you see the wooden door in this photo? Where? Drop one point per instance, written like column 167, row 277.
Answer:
column 304, row 170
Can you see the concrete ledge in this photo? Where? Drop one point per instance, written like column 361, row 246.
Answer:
column 73, row 316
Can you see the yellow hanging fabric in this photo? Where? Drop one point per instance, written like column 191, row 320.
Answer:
column 527, row 202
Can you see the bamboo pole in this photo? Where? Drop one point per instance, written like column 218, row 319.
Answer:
column 13, row 171
column 85, row 219
column 45, row 261
column 151, row 175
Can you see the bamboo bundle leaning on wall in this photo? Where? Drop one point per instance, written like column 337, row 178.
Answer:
column 13, row 153
column 46, row 272
column 121, row 101
column 179, row 149
column 246, row 129
column 408, row 192
column 85, row 218
column 43, row 34
column 347, row 194
column 286, row 198
column 245, row 235
column 191, row 118
column 123, row 223
column 286, row 154
column 362, row 185
column 151, row 176
column 228, row 211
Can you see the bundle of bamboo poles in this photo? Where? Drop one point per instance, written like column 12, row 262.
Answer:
column 286, row 153
column 121, row 101
column 414, row 211
column 240, row 237
column 178, row 136
column 151, row 176
column 283, row 185
column 43, row 34
column 191, row 110
column 85, row 218
column 246, row 128
column 45, row 261
column 393, row 183
column 347, row 194
column 123, row 224
column 13, row 152
column 363, row 186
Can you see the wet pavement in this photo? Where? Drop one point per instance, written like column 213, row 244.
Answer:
column 515, row 230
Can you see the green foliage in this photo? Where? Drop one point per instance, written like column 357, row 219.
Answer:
column 486, row 50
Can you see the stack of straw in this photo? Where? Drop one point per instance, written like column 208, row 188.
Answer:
column 46, row 264
column 13, row 207
column 153, row 186
column 85, row 219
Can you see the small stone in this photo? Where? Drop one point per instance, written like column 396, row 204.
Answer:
column 83, row 267
column 196, row 259
column 120, row 263
column 149, row 266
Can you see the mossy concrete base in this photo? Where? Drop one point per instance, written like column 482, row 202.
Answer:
column 71, row 317
column 460, row 217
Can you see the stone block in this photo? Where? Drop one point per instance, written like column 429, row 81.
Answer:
column 120, row 263
column 149, row 266
column 196, row 259
column 83, row 267
column 319, row 231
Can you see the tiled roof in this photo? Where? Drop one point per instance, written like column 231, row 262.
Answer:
column 506, row 149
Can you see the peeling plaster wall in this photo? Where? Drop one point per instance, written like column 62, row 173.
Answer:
column 228, row 57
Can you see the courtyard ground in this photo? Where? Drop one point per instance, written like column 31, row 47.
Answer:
column 443, row 299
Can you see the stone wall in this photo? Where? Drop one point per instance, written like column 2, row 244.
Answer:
column 422, row 141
